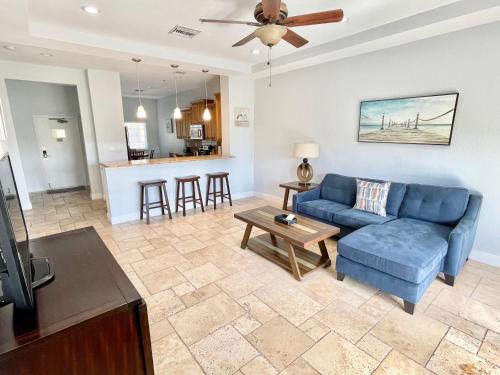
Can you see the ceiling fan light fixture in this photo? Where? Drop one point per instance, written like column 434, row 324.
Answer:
column 270, row 35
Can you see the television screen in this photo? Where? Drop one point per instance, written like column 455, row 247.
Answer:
column 15, row 266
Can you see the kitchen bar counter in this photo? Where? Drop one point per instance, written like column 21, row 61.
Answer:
column 121, row 181
column 180, row 159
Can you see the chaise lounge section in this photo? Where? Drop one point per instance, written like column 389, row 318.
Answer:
column 428, row 229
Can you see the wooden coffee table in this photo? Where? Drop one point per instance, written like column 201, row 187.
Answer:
column 286, row 245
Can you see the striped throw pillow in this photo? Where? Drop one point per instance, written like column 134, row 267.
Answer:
column 372, row 196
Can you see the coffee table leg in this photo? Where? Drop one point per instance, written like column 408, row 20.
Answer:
column 285, row 200
column 273, row 239
column 246, row 236
column 293, row 261
column 324, row 253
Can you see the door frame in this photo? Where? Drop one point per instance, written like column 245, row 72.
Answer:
column 75, row 117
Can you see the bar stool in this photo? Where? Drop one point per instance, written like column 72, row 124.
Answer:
column 191, row 198
column 212, row 178
column 145, row 203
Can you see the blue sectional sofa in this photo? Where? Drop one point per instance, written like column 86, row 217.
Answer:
column 427, row 230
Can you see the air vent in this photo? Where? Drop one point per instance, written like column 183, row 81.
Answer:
column 185, row 32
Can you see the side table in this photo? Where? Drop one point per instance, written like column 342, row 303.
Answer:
column 295, row 185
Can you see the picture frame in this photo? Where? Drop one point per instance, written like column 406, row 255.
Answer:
column 242, row 117
column 425, row 120
column 170, row 125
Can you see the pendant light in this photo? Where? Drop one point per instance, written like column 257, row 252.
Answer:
column 177, row 110
column 141, row 112
column 206, row 113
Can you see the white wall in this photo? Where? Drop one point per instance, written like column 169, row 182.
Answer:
column 49, row 74
column 168, row 141
column 28, row 99
column 321, row 104
column 107, row 108
column 151, row 107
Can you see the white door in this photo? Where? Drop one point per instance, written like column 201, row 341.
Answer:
column 60, row 148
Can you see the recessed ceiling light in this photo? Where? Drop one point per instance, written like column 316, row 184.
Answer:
column 90, row 9
column 10, row 48
column 345, row 19
column 255, row 51
column 46, row 54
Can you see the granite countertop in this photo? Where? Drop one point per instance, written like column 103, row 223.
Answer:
column 180, row 159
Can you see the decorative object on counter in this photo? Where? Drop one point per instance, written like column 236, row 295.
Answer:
column 191, row 198
column 242, row 116
column 416, row 120
column 141, row 112
column 177, row 110
column 170, row 125
column 297, row 186
column 162, row 203
column 212, row 178
column 206, row 113
column 305, row 151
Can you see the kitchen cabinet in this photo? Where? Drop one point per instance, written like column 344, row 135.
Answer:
column 182, row 125
column 194, row 115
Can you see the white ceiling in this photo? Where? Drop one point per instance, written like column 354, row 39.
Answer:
column 139, row 28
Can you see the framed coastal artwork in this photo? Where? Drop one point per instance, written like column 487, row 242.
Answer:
column 242, row 116
column 424, row 120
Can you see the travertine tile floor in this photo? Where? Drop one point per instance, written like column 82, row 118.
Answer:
column 217, row 309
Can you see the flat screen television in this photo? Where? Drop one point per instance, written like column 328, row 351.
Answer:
column 19, row 271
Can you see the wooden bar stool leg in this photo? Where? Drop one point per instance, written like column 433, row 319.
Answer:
column 199, row 193
column 166, row 201
column 161, row 200
column 194, row 194
column 177, row 197
column 183, row 200
column 208, row 192
column 221, row 189
column 229, row 191
column 142, row 202
column 147, row 205
column 215, row 193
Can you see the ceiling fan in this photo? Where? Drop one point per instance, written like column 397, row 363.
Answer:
column 273, row 23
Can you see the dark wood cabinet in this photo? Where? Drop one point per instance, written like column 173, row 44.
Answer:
column 194, row 115
column 89, row 320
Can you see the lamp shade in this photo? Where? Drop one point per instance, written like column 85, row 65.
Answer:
column 306, row 150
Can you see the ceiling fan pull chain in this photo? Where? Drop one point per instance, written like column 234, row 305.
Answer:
column 269, row 62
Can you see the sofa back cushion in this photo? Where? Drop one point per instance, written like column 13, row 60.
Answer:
column 338, row 188
column 436, row 204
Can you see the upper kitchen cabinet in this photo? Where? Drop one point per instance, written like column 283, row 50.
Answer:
column 182, row 125
column 194, row 116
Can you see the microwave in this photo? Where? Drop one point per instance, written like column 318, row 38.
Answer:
column 196, row 132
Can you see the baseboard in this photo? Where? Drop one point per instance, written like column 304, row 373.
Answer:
column 95, row 196
column 485, row 257
column 271, row 197
column 157, row 212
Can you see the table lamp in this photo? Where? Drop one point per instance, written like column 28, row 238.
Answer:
column 305, row 151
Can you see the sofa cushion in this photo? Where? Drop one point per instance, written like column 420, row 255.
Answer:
column 437, row 204
column 354, row 218
column 408, row 249
column 337, row 188
column 321, row 208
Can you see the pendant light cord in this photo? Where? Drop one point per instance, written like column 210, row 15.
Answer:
column 206, row 93
column 176, row 101
column 138, row 82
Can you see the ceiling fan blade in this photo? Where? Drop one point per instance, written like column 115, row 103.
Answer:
column 245, row 40
column 205, row 20
column 271, row 9
column 294, row 39
column 315, row 18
